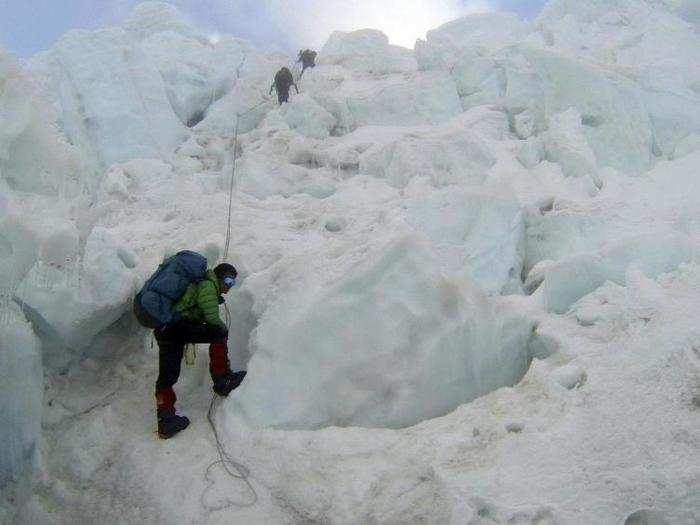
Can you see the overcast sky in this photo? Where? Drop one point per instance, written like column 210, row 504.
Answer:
column 28, row 26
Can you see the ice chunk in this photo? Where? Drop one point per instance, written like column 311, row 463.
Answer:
column 570, row 279
column 308, row 118
column 524, row 124
column 531, row 152
column 262, row 176
column 446, row 156
column 646, row 517
column 196, row 74
column 112, row 98
column 536, row 276
column 569, row 376
column 475, row 233
column 19, row 249
column 392, row 343
column 33, row 156
column 616, row 121
column 646, row 41
column 366, row 50
column 72, row 304
column 21, row 394
column 425, row 98
column 566, row 144
column 620, row 130
column 149, row 18
column 688, row 145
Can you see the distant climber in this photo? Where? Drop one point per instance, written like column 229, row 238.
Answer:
column 193, row 318
column 283, row 81
column 307, row 57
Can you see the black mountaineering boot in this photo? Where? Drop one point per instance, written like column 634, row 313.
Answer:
column 224, row 383
column 170, row 424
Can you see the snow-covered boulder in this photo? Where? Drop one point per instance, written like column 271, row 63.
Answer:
column 390, row 344
column 367, row 51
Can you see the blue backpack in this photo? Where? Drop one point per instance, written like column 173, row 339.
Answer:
column 153, row 305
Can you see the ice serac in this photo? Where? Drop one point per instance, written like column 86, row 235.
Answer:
column 449, row 154
column 367, row 51
column 196, row 71
column 391, row 344
column 572, row 278
column 34, row 157
column 612, row 111
column 71, row 304
column 150, row 18
column 468, row 38
column 652, row 43
column 308, row 118
column 111, row 99
column 424, row 98
column 475, row 233
column 566, row 143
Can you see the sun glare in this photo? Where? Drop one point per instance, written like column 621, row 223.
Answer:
column 403, row 22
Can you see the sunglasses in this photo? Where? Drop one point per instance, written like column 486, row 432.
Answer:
column 230, row 281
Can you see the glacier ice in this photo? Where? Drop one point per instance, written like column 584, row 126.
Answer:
column 368, row 51
column 72, row 308
column 467, row 38
column 369, row 350
column 571, row 278
column 21, row 393
column 378, row 221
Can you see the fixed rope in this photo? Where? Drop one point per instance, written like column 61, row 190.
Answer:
column 233, row 176
column 232, row 467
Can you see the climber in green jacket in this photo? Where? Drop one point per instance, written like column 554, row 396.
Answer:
column 200, row 304
column 198, row 322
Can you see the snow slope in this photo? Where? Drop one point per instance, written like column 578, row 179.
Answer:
column 468, row 272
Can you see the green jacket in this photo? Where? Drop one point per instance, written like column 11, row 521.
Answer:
column 200, row 303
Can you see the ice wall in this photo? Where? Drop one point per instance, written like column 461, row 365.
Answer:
column 394, row 342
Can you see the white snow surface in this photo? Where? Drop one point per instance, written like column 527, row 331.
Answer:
column 468, row 280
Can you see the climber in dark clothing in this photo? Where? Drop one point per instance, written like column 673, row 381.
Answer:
column 307, row 57
column 283, row 81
